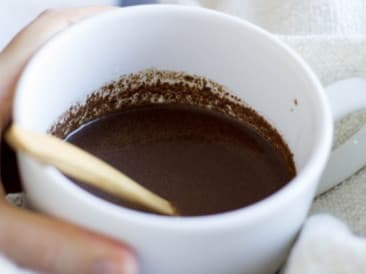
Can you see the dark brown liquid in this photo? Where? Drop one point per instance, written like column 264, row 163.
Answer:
column 203, row 161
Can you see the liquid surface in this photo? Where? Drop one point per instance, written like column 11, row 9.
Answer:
column 203, row 161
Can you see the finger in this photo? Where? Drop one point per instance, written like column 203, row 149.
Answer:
column 2, row 193
column 25, row 43
column 46, row 25
column 53, row 246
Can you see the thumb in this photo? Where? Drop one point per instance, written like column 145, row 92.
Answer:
column 52, row 246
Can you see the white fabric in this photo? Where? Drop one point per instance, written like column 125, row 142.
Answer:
column 331, row 36
column 294, row 17
column 327, row 246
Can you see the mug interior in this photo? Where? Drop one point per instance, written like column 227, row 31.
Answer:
column 236, row 54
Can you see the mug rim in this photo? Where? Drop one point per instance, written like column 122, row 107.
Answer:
column 311, row 170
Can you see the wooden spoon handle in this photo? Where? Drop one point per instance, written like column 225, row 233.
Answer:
column 85, row 167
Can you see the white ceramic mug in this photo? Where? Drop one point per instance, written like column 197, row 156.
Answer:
column 250, row 62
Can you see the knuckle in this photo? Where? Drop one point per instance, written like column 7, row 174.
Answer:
column 52, row 17
column 49, row 13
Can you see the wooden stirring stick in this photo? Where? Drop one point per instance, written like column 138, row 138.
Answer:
column 85, row 167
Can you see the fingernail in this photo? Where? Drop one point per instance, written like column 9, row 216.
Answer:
column 127, row 266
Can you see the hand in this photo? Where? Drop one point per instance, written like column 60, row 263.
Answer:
column 32, row 240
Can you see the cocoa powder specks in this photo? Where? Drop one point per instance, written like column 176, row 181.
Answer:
column 156, row 87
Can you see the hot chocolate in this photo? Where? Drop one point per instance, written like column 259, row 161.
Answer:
column 205, row 151
column 203, row 161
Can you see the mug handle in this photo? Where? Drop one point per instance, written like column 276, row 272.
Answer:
column 345, row 97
